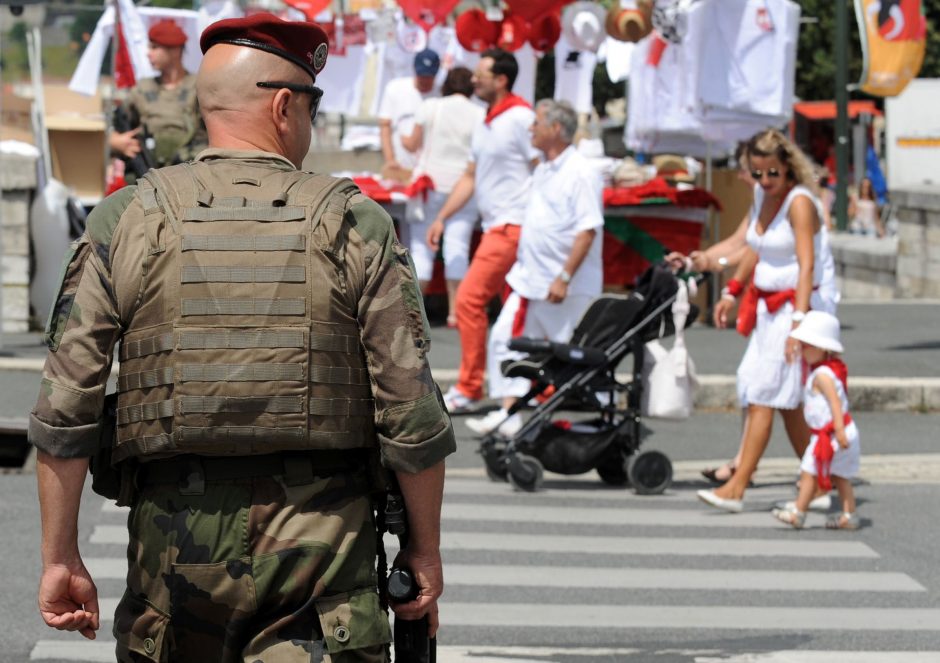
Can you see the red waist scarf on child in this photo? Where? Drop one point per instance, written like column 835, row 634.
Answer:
column 823, row 452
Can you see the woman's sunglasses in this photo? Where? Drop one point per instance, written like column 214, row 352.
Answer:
column 312, row 90
column 772, row 173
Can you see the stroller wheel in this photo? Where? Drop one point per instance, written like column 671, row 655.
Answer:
column 650, row 472
column 494, row 460
column 525, row 472
column 613, row 471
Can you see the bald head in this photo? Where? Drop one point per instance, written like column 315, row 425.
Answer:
column 238, row 114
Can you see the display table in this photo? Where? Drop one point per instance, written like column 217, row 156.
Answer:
column 643, row 223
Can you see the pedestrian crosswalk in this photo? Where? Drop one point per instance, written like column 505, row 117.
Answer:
column 582, row 573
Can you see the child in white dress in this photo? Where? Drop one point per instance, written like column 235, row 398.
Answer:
column 833, row 451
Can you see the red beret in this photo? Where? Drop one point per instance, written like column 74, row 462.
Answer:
column 545, row 31
column 475, row 32
column 513, row 32
column 167, row 33
column 303, row 43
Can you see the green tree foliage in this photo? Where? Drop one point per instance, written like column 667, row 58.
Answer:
column 816, row 69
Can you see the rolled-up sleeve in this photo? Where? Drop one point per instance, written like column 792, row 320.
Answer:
column 412, row 424
column 81, row 334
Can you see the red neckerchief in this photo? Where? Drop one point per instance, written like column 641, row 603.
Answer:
column 823, row 451
column 838, row 367
column 503, row 105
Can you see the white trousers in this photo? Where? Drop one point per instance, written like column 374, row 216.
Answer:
column 458, row 230
column 554, row 322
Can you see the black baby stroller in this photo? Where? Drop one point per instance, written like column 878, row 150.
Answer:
column 582, row 373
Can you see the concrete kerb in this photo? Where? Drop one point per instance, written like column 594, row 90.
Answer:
column 716, row 392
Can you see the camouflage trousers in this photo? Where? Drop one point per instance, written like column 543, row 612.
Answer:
column 253, row 570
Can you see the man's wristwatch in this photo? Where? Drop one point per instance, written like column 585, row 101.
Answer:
column 565, row 277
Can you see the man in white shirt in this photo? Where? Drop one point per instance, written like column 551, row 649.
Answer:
column 558, row 270
column 499, row 174
column 400, row 102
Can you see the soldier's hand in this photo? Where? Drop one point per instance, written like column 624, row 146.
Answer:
column 68, row 599
column 430, row 578
column 126, row 143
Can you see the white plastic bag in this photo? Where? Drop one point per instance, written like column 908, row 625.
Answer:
column 669, row 380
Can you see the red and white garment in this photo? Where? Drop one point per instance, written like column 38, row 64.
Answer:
column 844, row 462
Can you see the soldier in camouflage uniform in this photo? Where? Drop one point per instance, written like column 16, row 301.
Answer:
column 165, row 106
column 273, row 351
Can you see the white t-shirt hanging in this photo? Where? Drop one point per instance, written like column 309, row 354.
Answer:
column 525, row 79
column 503, row 153
column 618, row 57
column 343, row 77
column 400, row 103
column 448, row 125
column 566, row 199
column 748, row 59
column 574, row 76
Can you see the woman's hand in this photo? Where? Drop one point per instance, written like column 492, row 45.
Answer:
column 722, row 310
column 792, row 352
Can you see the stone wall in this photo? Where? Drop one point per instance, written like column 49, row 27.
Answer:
column 918, row 266
column 17, row 181
column 865, row 266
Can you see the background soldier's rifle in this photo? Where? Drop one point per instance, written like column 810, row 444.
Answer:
column 144, row 161
column 412, row 644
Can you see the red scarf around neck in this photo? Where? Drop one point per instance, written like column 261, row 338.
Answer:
column 503, row 105
column 838, row 367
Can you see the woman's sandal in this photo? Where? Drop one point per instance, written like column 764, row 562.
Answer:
column 791, row 517
column 843, row 521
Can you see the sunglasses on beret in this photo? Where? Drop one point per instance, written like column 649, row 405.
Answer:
column 315, row 92
column 772, row 173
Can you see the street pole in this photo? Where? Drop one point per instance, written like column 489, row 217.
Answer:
column 842, row 113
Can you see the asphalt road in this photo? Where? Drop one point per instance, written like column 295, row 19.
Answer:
column 541, row 577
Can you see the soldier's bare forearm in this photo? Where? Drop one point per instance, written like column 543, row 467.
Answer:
column 423, row 493
column 60, row 491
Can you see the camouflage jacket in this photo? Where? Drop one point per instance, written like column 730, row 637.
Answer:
column 99, row 294
column 171, row 117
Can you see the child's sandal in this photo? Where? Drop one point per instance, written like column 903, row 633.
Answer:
column 791, row 517
column 843, row 521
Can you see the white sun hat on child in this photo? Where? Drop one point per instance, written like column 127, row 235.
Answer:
column 819, row 329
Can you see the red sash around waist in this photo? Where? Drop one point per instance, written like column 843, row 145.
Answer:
column 823, row 452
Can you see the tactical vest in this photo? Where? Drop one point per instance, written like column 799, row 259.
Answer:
column 245, row 339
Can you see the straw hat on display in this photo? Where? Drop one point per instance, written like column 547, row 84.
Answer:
column 628, row 24
column 819, row 329
column 582, row 23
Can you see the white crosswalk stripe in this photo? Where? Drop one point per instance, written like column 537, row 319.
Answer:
column 505, row 552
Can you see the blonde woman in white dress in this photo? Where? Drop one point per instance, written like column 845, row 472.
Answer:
column 785, row 235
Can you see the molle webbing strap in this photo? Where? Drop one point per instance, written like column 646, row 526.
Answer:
column 215, row 306
column 267, row 213
column 146, row 346
column 334, row 343
column 146, row 379
column 141, row 446
column 144, row 412
column 342, row 407
column 227, row 434
column 338, row 375
column 241, row 372
column 244, row 243
column 238, row 340
column 224, row 274
column 148, row 196
column 219, row 404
